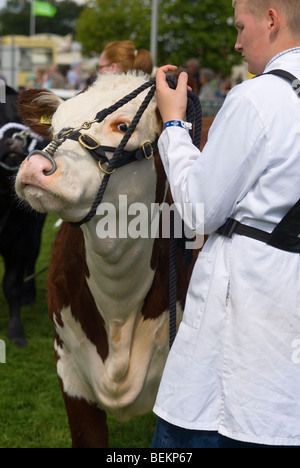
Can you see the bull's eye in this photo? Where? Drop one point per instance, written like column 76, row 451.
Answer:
column 123, row 127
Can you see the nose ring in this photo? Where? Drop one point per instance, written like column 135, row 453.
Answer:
column 47, row 156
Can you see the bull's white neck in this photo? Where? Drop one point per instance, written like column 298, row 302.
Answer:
column 120, row 266
column 118, row 259
column 120, row 278
column 120, row 272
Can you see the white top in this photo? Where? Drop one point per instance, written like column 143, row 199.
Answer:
column 235, row 363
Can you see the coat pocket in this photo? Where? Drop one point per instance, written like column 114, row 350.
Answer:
column 198, row 290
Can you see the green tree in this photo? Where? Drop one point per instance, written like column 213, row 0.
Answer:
column 194, row 28
column 200, row 29
column 101, row 22
column 15, row 18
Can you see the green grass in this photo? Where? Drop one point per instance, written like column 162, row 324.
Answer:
column 32, row 412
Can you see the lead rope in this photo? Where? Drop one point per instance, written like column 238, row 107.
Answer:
column 172, row 282
column 193, row 115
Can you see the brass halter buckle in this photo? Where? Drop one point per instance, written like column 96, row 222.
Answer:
column 90, row 147
column 144, row 148
column 86, row 145
column 103, row 170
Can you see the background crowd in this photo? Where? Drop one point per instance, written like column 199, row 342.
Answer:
column 121, row 56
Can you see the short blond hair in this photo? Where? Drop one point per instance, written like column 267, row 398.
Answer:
column 290, row 8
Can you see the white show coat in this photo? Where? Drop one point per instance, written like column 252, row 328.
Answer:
column 235, row 363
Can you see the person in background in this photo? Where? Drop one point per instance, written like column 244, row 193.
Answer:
column 208, row 85
column 31, row 81
column 232, row 377
column 223, row 85
column 74, row 76
column 193, row 69
column 53, row 78
column 122, row 56
column 40, row 77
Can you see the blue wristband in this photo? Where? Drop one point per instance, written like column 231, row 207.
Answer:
column 178, row 123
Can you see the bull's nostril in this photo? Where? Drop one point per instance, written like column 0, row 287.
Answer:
column 47, row 156
column 48, row 173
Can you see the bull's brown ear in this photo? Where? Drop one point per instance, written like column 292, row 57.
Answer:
column 36, row 107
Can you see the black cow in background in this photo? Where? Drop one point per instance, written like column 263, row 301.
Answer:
column 20, row 226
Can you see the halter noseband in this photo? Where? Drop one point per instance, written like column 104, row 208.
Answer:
column 98, row 151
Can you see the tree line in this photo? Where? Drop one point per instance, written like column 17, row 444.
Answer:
column 195, row 28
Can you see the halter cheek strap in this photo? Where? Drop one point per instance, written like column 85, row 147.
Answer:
column 98, row 151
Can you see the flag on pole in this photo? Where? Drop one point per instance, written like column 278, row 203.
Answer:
column 43, row 9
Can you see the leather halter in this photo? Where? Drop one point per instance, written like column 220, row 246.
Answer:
column 98, row 151
column 120, row 156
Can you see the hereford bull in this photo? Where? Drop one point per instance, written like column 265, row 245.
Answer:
column 108, row 296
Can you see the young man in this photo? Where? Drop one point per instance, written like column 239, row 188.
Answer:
column 233, row 375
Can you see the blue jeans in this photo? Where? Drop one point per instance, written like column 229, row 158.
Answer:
column 169, row 436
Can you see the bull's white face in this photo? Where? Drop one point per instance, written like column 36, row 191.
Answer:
column 70, row 191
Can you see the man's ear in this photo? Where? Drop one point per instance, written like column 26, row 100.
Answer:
column 273, row 21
